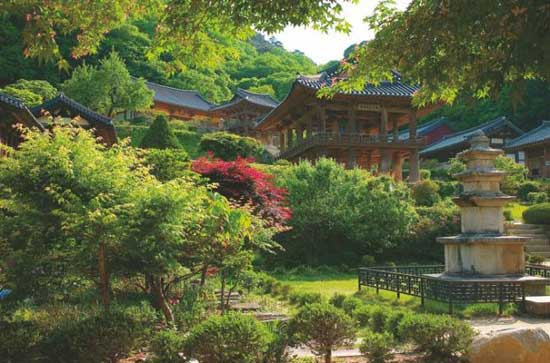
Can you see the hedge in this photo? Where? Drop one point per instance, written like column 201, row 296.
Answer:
column 537, row 214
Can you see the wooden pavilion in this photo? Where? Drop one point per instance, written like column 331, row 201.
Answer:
column 357, row 128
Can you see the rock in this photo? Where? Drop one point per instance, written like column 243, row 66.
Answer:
column 523, row 345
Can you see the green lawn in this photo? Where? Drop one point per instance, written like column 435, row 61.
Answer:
column 327, row 285
column 517, row 211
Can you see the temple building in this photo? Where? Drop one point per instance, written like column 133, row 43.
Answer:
column 237, row 115
column 14, row 112
column 533, row 150
column 432, row 131
column 500, row 131
column 357, row 128
column 63, row 107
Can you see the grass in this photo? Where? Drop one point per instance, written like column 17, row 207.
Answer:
column 516, row 210
column 328, row 284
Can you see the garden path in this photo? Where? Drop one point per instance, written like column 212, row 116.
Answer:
column 481, row 325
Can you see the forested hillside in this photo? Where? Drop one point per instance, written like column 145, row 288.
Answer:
column 259, row 64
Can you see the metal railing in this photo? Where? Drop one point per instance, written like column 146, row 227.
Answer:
column 347, row 139
column 415, row 281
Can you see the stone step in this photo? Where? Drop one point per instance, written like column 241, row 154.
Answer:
column 532, row 249
column 525, row 225
column 520, row 230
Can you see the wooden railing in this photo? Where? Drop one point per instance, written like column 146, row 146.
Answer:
column 416, row 281
column 355, row 140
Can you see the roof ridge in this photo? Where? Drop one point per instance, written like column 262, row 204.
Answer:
column 174, row 88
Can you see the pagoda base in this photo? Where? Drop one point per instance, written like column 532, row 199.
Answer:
column 484, row 254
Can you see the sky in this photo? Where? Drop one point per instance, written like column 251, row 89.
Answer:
column 323, row 47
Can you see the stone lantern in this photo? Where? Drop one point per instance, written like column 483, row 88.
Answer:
column 482, row 248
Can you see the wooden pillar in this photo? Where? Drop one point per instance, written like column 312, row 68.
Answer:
column 323, row 118
column 282, row 141
column 309, row 127
column 414, row 173
column 546, row 162
column 412, row 124
column 395, row 130
column 352, row 121
column 383, row 123
column 397, row 166
column 299, row 134
column 289, row 140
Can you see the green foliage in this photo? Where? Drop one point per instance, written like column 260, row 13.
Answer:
column 508, row 215
column 305, row 298
column 160, row 136
column 515, row 174
column 108, row 88
column 322, row 327
column 325, row 230
column 337, row 300
column 537, row 197
column 425, row 174
column 229, row 146
column 441, row 338
column 98, row 338
column 368, row 261
column 362, row 315
column 167, row 164
column 33, row 92
column 166, row 346
column 426, row 193
column 229, row 338
column 537, row 214
column 393, row 319
column 377, row 318
column 378, row 347
column 525, row 188
column 448, row 188
column 350, row 304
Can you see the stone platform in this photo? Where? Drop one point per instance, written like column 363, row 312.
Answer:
column 538, row 305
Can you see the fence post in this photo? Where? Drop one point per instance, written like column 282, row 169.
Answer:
column 523, row 308
column 500, row 302
column 376, row 284
column 421, row 291
column 398, row 287
column 359, row 279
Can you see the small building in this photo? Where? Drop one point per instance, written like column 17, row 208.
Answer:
column 533, row 150
column 240, row 114
column 432, row 131
column 14, row 112
column 499, row 131
column 356, row 128
column 178, row 103
column 62, row 106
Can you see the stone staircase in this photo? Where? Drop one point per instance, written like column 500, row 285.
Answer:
column 539, row 244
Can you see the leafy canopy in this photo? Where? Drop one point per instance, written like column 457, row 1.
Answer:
column 33, row 92
column 108, row 88
column 448, row 46
column 190, row 30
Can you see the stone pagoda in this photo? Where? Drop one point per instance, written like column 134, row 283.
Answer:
column 482, row 249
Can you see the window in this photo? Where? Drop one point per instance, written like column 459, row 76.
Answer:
column 521, row 157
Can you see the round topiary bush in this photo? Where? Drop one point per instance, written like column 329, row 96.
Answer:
column 525, row 188
column 426, row 193
column 537, row 214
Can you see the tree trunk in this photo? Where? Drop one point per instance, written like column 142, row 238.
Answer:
column 203, row 275
column 222, row 301
column 104, row 287
column 160, row 299
column 328, row 356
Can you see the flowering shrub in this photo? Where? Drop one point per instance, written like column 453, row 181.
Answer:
column 241, row 183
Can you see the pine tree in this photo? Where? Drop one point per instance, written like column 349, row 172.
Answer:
column 160, row 136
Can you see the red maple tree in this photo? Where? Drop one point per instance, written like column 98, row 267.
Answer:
column 241, row 183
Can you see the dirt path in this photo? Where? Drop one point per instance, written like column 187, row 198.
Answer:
column 496, row 324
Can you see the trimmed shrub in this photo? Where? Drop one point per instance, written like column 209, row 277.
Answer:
column 536, row 259
column 337, row 300
column 537, row 197
column 377, row 347
column 507, row 215
column 229, row 146
column 425, row 174
column 351, row 303
column 425, row 193
column 19, row 341
column 362, row 315
column 167, row 164
column 537, row 214
column 448, row 188
column 441, row 338
column 322, row 327
column 160, row 136
column 103, row 336
column 166, row 346
column 229, row 338
column 305, row 298
column 377, row 318
column 393, row 319
column 525, row 188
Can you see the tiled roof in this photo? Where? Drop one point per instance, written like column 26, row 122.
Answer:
column 424, row 129
column 255, row 98
column 463, row 136
column 13, row 101
column 20, row 105
column 74, row 106
column 329, row 77
column 538, row 134
column 179, row 97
